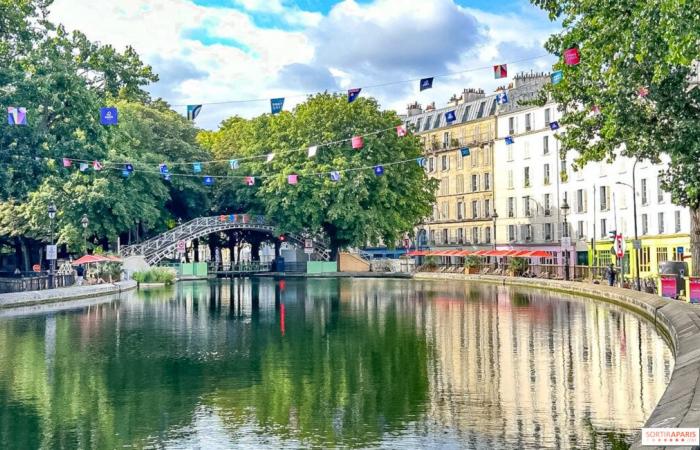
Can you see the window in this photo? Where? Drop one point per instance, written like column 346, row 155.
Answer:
column 526, row 177
column 511, row 125
column 427, row 123
column 487, row 156
column 482, row 105
column 460, row 161
column 445, row 186
column 432, row 236
column 475, row 183
column 526, row 149
column 435, row 213
column 418, row 124
column 677, row 219
column 445, row 210
column 604, row 258
column 460, row 210
column 460, row 236
column 661, row 254
column 677, row 256
column 564, row 174
column 444, row 236
column 511, row 206
column 438, row 116
column 511, row 233
column 546, row 174
column 645, row 224
column 645, row 198
column 487, row 208
column 645, row 259
column 603, row 228
column 545, row 145
column 526, row 232
column 475, row 157
column 547, row 204
column 475, row 235
column 446, row 139
column 487, row 181
column 547, row 231
column 528, row 122
column 580, row 227
column 604, row 198
column 581, row 201
column 547, row 118
column 509, row 153
column 510, row 179
column 445, row 162
column 465, row 116
column 493, row 108
column 459, row 184
column 661, row 223
column 659, row 192
column 487, row 235
column 431, row 164
column 526, row 206
column 475, row 209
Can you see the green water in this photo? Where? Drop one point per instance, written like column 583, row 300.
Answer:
column 259, row 363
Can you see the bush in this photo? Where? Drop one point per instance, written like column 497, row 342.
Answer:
column 155, row 275
column 472, row 261
column 518, row 266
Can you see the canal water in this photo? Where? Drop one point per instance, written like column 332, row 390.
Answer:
column 263, row 363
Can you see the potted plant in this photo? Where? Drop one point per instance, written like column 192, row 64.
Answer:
column 517, row 266
column 430, row 263
column 471, row 264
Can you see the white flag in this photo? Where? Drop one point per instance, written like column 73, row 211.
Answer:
column 312, row 151
column 270, row 156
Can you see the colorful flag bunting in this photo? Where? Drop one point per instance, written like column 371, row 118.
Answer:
column 353, row 94
column 357, row 142
column 643, row 91
column 401, row 131
column 84, row 166
column 197, row 167
column 557, row 76
column 379, row 170
column 97, row 165
column 67, row 162
column 233, row 164
column 500, row 71
column 509, row 140
column 312, row 151
column 208, row 181
column 292, row 179
column 270, row 157
column 421, row 161
column 109, row 116
column 335, row 175
column 276, row 105
column 554, row 125
column 464, row 151
column 166, row 177
column 502, row 98
column 125, row 173
column 163, row 169
column 572, row 56
column 450, row 116
column 16, row 115
column 129, row 167
column 193, row 111
column 250, row 181
column 426, row 83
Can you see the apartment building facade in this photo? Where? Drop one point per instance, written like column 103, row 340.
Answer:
column 459, row 154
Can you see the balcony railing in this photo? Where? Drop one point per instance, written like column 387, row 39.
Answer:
column 454, row 143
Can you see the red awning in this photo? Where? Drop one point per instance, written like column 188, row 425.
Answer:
column 87, row 259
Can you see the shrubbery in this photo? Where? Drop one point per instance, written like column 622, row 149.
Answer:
column 155, row 275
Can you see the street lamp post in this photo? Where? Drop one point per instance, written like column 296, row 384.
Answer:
column 495, row 216
column 565, row 210
column 634, row 211
column 52, row 269
column 85, row 222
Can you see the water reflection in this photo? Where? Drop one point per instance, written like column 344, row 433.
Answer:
column 329, row 362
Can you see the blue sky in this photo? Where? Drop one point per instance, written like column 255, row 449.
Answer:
column 218, row 50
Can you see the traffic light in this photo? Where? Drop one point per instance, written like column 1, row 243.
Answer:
column 612, row 234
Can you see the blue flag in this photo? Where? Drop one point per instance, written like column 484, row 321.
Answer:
column 557, row 76
column 197, row 167
column 450, row 116
column 129, row 167
column 379, row 170
column 421, row 161
column 16, row 115
column 109, row 116
column 276, row 105
column 554, row 125
column 125, row 173
column 502, row 98
column 193, row 111
column 353, row 94
column 208, row 181
column 464, row 151
column 509, row 140
column 166, row 177
column 426, row 83
column 335, row 175
column 163, row 169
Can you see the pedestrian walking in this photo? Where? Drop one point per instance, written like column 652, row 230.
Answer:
column 610, row 274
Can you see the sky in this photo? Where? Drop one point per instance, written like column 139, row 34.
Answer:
column 214, row 51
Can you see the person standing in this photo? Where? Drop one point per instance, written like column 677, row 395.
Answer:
column 79, row 271
column 610, row 274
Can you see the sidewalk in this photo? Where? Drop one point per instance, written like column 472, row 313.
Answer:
column 17, row 299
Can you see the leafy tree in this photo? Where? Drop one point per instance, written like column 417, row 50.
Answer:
column 629, row 48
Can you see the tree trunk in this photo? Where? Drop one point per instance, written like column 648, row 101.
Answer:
column 195, row 247
column 255, row 251
column 19, row 255
column 695, row 241
column 25, row 254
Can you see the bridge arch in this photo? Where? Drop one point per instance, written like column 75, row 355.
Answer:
column 158, row 247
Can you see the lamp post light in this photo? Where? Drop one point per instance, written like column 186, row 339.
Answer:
column 52, row 268
column 566, row 242
column 494, row 216
column 634, row 211
column 85, row 222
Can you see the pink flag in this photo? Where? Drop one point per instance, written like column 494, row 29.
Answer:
column 250, row 181
column 292, row 179
column 67, row 162
column 97, row 165
column 572, row 56
column 643, row 91
column 500, row 71
column 357, row 142
column 401, row 131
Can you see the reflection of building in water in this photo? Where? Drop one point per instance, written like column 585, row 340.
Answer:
column 532, row 369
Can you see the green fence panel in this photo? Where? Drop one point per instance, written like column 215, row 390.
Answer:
column 187, row 269
column 200, row 269
column 321, row 267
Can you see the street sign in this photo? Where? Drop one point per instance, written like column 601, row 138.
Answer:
column 637, row 244
column 680, row 250
column 51, row 252
column 619, row 246
column 36, row 268
column 308, row 246
column 181, row 246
